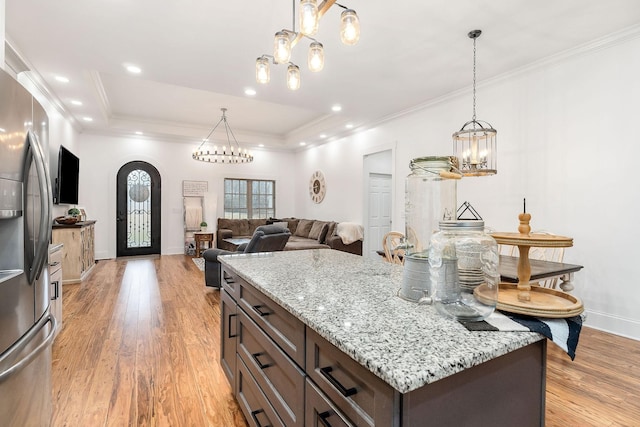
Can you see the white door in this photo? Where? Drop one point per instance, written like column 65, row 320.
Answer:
column 379, row 212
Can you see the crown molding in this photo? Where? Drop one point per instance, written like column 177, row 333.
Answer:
column 613, row 39
column 24, row 69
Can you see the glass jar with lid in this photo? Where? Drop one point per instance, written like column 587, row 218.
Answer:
column 463, row 265
column 430, row 197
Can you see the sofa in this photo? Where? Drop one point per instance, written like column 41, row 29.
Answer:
column 305, row 234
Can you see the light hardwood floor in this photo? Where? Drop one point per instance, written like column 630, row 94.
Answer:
column 140, row 347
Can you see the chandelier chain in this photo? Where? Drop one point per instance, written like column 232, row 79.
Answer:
column 474, row 79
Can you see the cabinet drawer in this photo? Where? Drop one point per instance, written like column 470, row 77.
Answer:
column 254, row 405
column 281, row 381
column 283, row 328
column 360, row 395
column 55, row 261
column 228, row 334
column 231, row 283
column 320, row 411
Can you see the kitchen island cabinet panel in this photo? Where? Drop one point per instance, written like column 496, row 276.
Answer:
column 360, row 395
column 282, row 327
column 276, row 374
column 254, row 405
column 228, row 334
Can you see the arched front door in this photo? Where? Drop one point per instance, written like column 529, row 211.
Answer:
column 138, row 209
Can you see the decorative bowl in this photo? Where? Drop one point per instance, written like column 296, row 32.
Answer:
column 66, row 220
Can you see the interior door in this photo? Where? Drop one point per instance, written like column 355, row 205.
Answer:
column 138, row 220
column 379, row 211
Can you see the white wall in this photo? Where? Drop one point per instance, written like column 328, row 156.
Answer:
column 565, row 142
column 102, row 156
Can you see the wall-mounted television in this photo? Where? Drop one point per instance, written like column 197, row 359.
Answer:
column 68, row 177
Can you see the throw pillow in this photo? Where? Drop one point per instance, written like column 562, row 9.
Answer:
column 316, row 228
column 323, row 233
column 283, row 224
column 331, row 231
column 304, row 226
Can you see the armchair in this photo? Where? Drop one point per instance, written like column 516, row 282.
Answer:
column 266, row 238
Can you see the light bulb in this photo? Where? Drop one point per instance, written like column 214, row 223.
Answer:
column 281, row 47
column 349, row 27
column 308, row 17
column 293, row 77
column 263, row 74
column 316, row 57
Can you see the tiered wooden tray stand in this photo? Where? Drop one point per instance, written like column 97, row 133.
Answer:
column 523, row 298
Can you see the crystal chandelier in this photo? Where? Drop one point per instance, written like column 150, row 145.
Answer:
column 227, row 154
column 475, row 143
column 308, row 18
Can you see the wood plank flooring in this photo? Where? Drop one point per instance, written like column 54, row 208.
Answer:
column 140, row 347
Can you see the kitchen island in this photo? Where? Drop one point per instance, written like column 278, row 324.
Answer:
column 319, row 337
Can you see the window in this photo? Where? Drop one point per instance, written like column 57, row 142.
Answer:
column 249, row 198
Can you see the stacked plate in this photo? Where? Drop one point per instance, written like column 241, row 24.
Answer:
column 470, row 278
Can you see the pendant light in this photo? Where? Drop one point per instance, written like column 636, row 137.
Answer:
column 293, row 77
column 316, row 57
column 211, row 154
column 309, row 14
column 308, row 17
column 474, row 144
column 349, row 27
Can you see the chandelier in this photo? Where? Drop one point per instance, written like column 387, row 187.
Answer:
column 231, row 154
column 309, row 17
column 475, row 143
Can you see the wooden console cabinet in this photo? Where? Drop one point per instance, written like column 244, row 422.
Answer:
column 79, row 251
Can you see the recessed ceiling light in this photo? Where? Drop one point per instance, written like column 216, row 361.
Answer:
column 76, row 102
column 336, row 108
column 87, row 119
column 138, row 132
column 62, row 79
column 134, row 69
column 250, row 91
column 260, row 145
column 349, row 126
column 323, row 135
column 303, row 143
column 3, row 130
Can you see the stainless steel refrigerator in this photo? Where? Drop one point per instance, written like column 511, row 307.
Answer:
column 26, row 326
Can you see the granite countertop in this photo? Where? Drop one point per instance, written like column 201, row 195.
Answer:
column 351, row 301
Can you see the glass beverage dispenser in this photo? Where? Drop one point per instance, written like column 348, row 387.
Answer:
column 430, row 197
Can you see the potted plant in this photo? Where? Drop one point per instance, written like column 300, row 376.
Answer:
column 203, row 226
column 74, row 212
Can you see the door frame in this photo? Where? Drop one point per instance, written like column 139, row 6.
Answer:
column 368, row 159
column 156, row 204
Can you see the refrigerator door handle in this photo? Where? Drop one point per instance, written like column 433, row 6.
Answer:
column 26, row 339
column 44, row 233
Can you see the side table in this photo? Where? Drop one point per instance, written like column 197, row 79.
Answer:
column 200, row 237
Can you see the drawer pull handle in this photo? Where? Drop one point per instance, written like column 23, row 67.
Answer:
column 254, row 415
column 56, row 290
column 260, row 364
column 230, row 335
column 258, row 309
column 346, row 392
column 323, row 418
column 227, row 278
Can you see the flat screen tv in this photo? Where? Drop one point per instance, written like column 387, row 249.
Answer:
column 68, row 176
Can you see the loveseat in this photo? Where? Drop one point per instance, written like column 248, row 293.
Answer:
column 305, row 234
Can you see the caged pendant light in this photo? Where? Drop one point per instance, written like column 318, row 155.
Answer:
column 309, row 14
column 475, row 143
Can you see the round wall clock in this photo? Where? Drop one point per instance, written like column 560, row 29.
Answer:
column 317, row 187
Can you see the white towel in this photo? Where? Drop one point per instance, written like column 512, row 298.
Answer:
column 350, row 232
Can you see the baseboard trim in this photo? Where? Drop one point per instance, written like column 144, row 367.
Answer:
column 629, row 328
